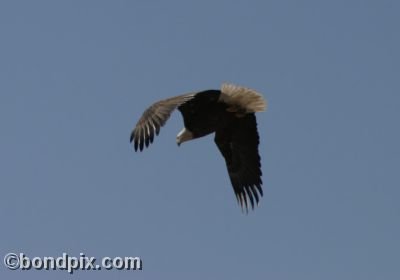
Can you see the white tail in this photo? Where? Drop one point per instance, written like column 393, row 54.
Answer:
column 245, row 98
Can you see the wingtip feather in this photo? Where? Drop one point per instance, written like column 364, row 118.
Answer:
column 246, row 98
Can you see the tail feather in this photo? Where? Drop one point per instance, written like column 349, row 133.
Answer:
column 245, row 98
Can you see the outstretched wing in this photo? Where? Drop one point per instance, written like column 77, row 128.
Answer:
column 154, row 118
column 238, row 143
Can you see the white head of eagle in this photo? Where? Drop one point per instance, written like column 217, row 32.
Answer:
column 230, row 114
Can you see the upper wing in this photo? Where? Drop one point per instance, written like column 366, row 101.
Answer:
column 239, row 146
column 154, row 118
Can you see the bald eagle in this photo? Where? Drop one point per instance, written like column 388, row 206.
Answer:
column 230, row 113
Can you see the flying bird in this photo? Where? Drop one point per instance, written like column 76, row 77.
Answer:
column 230, row 113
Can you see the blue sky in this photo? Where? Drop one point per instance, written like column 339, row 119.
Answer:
column 77, row 75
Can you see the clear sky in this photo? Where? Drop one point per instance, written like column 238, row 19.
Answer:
column 75, row 76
